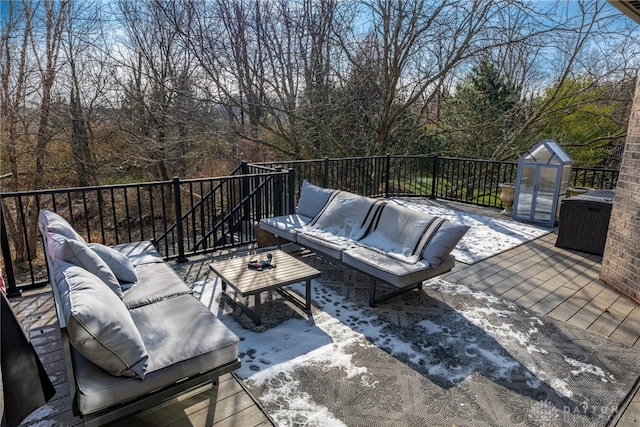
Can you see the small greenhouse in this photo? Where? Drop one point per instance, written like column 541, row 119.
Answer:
column 543, row 178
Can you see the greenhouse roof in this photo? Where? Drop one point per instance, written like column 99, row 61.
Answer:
column 546, row 151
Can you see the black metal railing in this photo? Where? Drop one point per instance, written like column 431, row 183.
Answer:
column 599, row 178
column 181, row 217
column 184, row 217
column 458, row 179
column 473, row 181
column 377, row 176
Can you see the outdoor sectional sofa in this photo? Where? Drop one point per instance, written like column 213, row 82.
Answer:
column 133, row 334
column 392, row 244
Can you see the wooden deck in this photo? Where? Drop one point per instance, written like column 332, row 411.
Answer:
column 547, row 280
column 564, row 285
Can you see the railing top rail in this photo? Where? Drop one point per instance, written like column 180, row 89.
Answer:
column 227, row 177
column 82, row 189
column 262, row 166
column 597, row 168
column 131, row 185
column 467, row 159
column 414, row 156
column 324, row 160
column 286, row 162
column 238, row 168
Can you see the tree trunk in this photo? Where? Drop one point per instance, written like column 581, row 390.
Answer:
column 85, row 165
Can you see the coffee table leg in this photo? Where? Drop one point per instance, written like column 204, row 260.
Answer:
column 257, row 320
column 308, row 295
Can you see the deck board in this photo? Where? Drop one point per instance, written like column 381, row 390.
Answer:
column 608, row 321
column 560, row 283
column 625, row 330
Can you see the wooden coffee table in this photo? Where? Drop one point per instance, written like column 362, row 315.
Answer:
column 235, row 273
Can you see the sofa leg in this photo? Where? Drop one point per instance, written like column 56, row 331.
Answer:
column 373, row 300
column 372, row 292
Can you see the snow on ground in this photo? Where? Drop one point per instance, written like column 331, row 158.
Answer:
column 325, row 339
column 486, row 237
column 340, row 323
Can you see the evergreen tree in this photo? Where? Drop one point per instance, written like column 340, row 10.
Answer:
column 483, row 114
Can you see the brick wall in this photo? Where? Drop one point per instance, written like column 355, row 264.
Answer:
column 621, row 259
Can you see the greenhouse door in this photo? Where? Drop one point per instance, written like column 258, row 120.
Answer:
column 536, row 194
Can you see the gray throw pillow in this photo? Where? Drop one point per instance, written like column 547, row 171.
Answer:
column 121, row 266
column 312, row 199
column 78, row 253
column 54, row 223
column 100, row 326
column 443, row 242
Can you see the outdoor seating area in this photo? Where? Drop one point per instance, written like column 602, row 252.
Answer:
column 306, row 325
column 558, row 286
column 252, row 223
column 392, row 244
column 123, row 315
column 320, row 214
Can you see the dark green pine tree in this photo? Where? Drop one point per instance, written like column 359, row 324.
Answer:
column 483, row 114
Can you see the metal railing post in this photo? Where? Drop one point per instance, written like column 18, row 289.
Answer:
column 12, row 289
column 291, row 175
column 246, row 222
column 434, row 178
column 245, row 191
column 277, row 193
column 387, row 177
column 326, row 173
column 178, row 209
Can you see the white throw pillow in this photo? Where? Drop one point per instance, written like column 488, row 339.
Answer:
column 100, row 326
column 121, row 266
column 312, row 199
column 78, row 253
column 443, row 242
column 54, row 223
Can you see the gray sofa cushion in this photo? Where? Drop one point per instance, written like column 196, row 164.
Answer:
column 401, row 232
column 54, row 223
column 328, row 245
column 99, row 325
column 397, row 273
column 120, row 265
column 346, row 215
column 78, row 253
column 156, row 281
column 443, row 242
column 182, row 337
column 312, row 199
column 139, row 253
column 285, row 226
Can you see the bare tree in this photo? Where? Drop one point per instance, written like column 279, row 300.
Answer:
column 412, row 46
column 82, row 35
column 38, row 27
column 15, row 49
column 266, row 60
column 14, row 45
column 53, row 22
column 159, row 85
column 548, row 51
